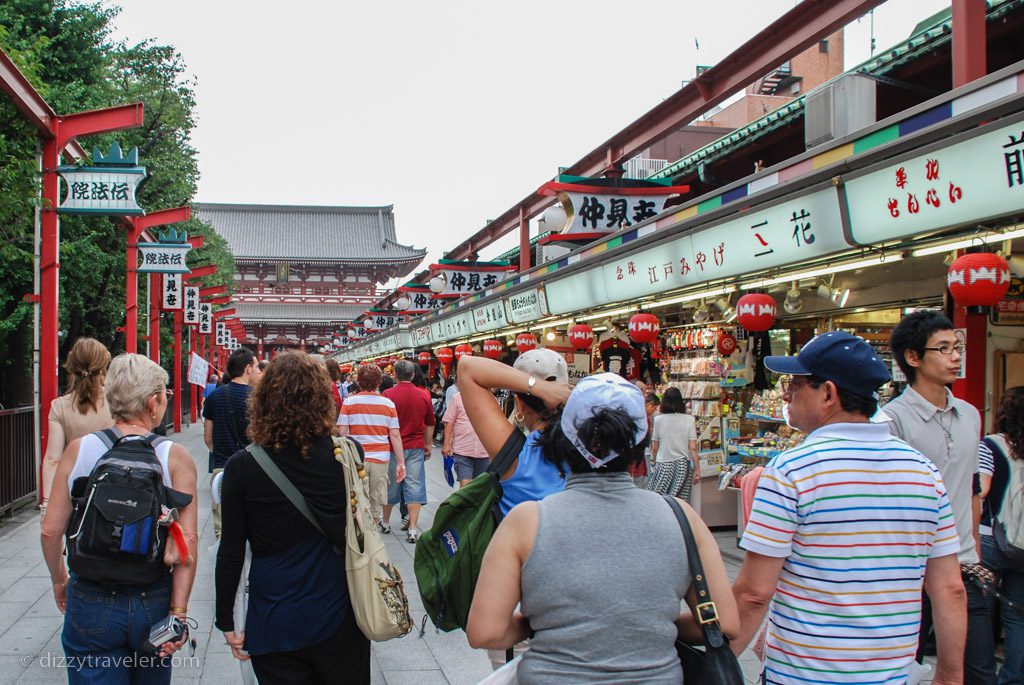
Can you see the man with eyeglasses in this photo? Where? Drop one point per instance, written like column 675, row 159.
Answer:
column 844, row 532
column 945, row 429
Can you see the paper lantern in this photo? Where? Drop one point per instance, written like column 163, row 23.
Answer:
column 462, row 350
column 581, row 336
column 726, row 343
column 756, row 311
column 493, row 349
column 346, row 368
column 444, row 355
column 644, row 328
column 424, row 357
column 526, row 342
column 980, row 279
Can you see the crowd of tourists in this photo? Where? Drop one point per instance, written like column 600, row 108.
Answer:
column 885, row 536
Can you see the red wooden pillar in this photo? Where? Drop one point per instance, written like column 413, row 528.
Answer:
column 155, row 302
column 179, row 317
column 49, row 287
column 259, row 348
column 524, row 241
column 193, row 412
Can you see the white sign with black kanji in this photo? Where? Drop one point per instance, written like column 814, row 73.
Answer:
column 191, row 313
column 205, row 317
column 172, row 291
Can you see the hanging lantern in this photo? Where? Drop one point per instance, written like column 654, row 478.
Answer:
column 493, row 349
column 526, row 342
column 462, row 350
column 424, row 357
column 346, row 368
column 756, row 311
column 644, row 328
column 581, row 336
column 980, row 279
column 444, row 355
column 726, row 343
column 368, row 324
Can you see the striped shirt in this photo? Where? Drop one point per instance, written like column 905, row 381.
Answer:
column 856, row 514
column 369, row 416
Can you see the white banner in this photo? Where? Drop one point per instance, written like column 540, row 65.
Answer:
column 469, row 280
column 101, row 190
column 607, row 213
column 490, row 317
column 191, row 313
column 198, row 370
column 164, row 258
column 172, row 291
column 205, row 317
column 526, row 306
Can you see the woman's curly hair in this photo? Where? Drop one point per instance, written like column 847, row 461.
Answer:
column 292, row 404
column 1010, row 420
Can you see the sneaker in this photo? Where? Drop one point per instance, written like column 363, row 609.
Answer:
column 384, row 528
column 405, row 523
column 413, row 535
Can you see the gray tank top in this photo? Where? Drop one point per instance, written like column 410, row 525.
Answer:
column 603, row 585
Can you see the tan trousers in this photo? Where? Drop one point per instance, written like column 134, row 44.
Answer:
column 377, row 482
column 216, row 508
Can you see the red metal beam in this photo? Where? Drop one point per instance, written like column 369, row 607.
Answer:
column 787, row 36
column 223, row 299
column 201, row 271
column 213, row 290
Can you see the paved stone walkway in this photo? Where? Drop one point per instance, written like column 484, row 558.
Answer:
column 30, row 624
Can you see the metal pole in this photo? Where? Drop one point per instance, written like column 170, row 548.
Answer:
column 155, row 296
column 36, row 418
column 49, row 262
column 131, row 326
column 178, row 316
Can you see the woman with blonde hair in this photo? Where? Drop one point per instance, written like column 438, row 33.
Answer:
column 82, row 410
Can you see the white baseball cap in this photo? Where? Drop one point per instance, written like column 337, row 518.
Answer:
column 597, row 392
column 545, row 364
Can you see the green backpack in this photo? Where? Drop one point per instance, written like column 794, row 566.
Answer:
column 448, row 556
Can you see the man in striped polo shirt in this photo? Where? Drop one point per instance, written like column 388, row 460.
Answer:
column 371, row 419
column 844, row 531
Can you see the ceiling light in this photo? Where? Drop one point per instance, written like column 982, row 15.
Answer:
column 968, row 242
column 614, row 312
column 550, row 335
column 824, row 271
column 839, row 296
column 690, row 297
column 793, row 302
column 701, row 314
column 727, row 310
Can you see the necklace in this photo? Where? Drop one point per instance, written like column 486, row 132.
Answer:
column 947, row 428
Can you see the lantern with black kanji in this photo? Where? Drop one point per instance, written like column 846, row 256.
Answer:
column 462, row 350
column 424, row 357
column 444, row 355
column 644, row 328
column 493, row 349
column 756, row 311
column 980, row 279
column 581, row 336
column 526, row 342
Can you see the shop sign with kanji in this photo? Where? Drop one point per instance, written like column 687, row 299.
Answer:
column 489, row 317
column 468, row 278
column 421, row 336
column 107, row 188
column 1010, row 310
column 526, row 306
column 966, row 182
column 166, row 256
column 172, row 292
column 375, row 321
column 788, row 232
column 594, row 208
column 420, row 298
column 453, row 327
column 205, row 317
column 191, row 312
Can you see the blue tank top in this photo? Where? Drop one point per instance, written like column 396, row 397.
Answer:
column 534, row 479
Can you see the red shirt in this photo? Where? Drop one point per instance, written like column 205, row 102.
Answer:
column 415, row 413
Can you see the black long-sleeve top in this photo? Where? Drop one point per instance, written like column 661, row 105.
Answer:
column 255, row 510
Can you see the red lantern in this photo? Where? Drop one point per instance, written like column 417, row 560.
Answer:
column 424, row 357
column 444, row 355
column 756, row 311
column 462, row 350
column 581, row 336
column 644, row 328
column 526, row 342
column 493, row 349
column 726, row 343
column 346, row 368
column 980, row 279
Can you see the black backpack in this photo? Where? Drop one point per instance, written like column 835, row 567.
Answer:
column 114, row 535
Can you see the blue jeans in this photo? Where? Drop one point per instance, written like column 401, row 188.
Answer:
column 105, row 629
column 1011, row 586
column 980, row 650
column 413, row 488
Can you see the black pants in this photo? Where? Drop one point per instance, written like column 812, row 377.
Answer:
column 342, row 658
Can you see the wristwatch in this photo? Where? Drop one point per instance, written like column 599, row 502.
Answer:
column 529, row 385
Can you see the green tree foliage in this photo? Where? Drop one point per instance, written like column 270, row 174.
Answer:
column 64, row 48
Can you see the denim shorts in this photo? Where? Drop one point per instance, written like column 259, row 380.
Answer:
column 414, row 487
column 468, row 468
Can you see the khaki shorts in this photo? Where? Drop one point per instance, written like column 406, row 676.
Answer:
column 377, row 483
column 216, row 508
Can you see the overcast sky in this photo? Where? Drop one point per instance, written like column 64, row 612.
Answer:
column 452, row 111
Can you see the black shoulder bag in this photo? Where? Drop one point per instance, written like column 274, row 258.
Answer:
column 715, row 664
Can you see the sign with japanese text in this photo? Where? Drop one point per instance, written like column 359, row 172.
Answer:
column 168, row 258
column 468, row 278
column 378, row 322
column 172, row 291
column 788, row 232
column 205, row 317
column 526, row 306
column 578, row 366
column 421, row 336
column 191, row 312
column 198, row 370
column 106, row 189
column 423, row 302
column 967, row 182
column 595, row 208
column 1010, row 310
column 453, row 327
column 489, row 317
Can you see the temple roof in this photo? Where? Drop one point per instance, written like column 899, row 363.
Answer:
column 298, row 313
column 309, row 233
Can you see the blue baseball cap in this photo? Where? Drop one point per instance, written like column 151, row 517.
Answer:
column 845, row 359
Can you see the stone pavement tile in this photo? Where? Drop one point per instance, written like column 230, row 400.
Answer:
column 26, row 588
column 11, row 613
column 45, row 607
column 28, row 637
column 8, row 576
column 407, row 653
column 461, row 664
column 431, row 677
